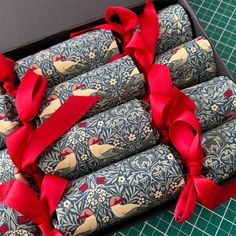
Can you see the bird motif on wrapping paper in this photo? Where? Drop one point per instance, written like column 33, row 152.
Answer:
column 6, row 126
column 101, row 150
column 37, row 70
column 69, row 160
column 120, row 208
column 112, row 46
column 203, row 43
column 65, row 67
column 54, row 104
column 89, row 225
column 180, row 55
column 80, row 90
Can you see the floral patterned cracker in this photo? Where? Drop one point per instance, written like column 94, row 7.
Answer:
column 12, row 223
column 8, row 118
column 71, row 57
column 191, row 63
column 115, row 193
column 215, row 101
column 219, row 146
column 175, row 28
column 115, row 82
column 101, row 140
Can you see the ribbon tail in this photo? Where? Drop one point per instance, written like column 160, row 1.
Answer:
column 22, row 198
column 138, row 48
column 228, row 191
column 211, row 194
column 159, row 79
column 52, row 184
column 16, row 143
column 29, row 95
column 149, row 15
column 186, row 203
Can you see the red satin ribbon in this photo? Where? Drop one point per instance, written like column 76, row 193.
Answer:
column 26, row 143
column 7, row 74
column 129, row 21
column 143, row 43
column 20, row 197
column 163, row 99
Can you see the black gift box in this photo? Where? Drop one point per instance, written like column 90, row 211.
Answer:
column 29, row 26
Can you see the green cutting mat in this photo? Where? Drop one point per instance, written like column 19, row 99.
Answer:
column 219, row 19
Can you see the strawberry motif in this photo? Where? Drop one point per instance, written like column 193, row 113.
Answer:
column 228, row 93
column 3, row 229
column 101, row 180
column 83, row 187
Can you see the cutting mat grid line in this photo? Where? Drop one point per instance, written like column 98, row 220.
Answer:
column 219, row 19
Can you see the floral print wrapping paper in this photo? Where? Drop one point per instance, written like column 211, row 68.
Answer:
column 101, row 140
column 8, row 118
column 12, row 223
column 72, row 57
column 6, row 167
column 190, row 63
column 119, row 191
column 175, row 28
column 116, row 82
column 215, row 101
column 219, row 146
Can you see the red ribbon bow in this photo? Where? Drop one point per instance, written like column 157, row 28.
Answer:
column 26, row 143
column 7, row 74
column 20, row 197
column 174, row 114
column 185, row 135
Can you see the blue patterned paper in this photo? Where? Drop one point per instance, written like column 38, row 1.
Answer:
column 72, row 57
column 115, row 82
column 190, row 63
column 101, row 140
column 175, row 28
column 6, row 167
column 118, row 192
column 8, row 118
column 13, row 223
column 219, row 146
column 215, row 101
